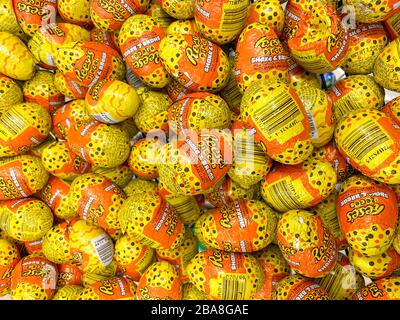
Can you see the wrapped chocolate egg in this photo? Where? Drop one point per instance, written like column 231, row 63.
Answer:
column 9, row 257
column 71, row 114
column 300, row 78
column 193, row 164
column 156, row 12
column 140, row 49
column 367, row 215
column 90, row 245
column 41, row 90
column 121, row 175
column 197, row 63
column 392, row 109
column 152, row 221
column 132, row 257
column 275, row 268
column 190, row 292
column 369, row 11
column 276, row 115
column 231, row 92
column 391, row 24
column 177, row 91
column 69, row 274
column 181, row 255
column 315, row 37
column 111, row 101
column 109, row 38
column 196, row 111
column 31, row 15
column 178, row 9
column 20, row 62
column 55, row 244
column 229, row 191
column 111, row 14
column 130, row 128
column 34, row 278
column 49, row 37
column 300, row 186
column 9, row 21
column 97, row 200
column 319, row 110
column 22, row 127
column 297, row 287
column 99, row 273
column 221, row 21
column 307, row 245
column 343, row 280
column 153, row 111
column 138, row 185
column 115, row 288
column 259, row 55
column 187, row 207
column 160, row 281
column 369, row 140
column 68, row 11
column 68, row 87
column 10, row 93
column 60, row 161
column 68, row 292
column 87, row 62
column 183, row 27
column 387, row 66
column 366, row 43
column 25, row 219
column 267, row 12
column 326, row 210
column 382, row 289
column 21, row 176
column 143, row 158
column 100, row 144
column 356, row 93
column 377, row 266
column 216, row 272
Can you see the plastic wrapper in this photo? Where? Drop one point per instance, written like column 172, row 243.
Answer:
column 319, row 110
column 298, row 187
column 120, row 175
column 297, row 287
column 111, row 14
column 221, row 275
column 392, row 109
column 55, row 244
column 315, row 36
column 267, row 12
column 356, row 93
column 69, row 292
column 259, row 55
column 376, row 266
column 87, row 62
column 307, row 245
column 115, row 288
column 21, row 64
column 221, row 21
column 100, row 144
column 152, row 221
column 50, row 37
column 369, row 140
column 276, row 115
column 160, row 282
column 369, row 11
column 192, row 164
column 132, row 257
column 387, row 67
column 10, row 93
column 34, row 278
column 75, row 11
column 143, row 158
column 140, row 49
column 366, row 43
column 9, row 257
column 31, row 15
column 367, row 215
column 197, row 63
column 382, row 289
column 111, row 101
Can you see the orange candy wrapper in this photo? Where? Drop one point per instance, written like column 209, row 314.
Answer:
column 68, row 275
column 9, row 257
column 114, row 288
column 392, row 109
column 382, row 289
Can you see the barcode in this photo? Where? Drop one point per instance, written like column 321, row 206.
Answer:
column 133, row 80
column 284, row 196
column 233, row 288
column 234, row 19
column 311, row 120
column 104, row 248
column 232, row 92
column 334, row 282
column 330, row 219
column 272, row 118
column 184, row 207
column 13, row 122
column 395, row 23
column 246, row 151
column 343, row 107
column 104, row 117
column 358, row 146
